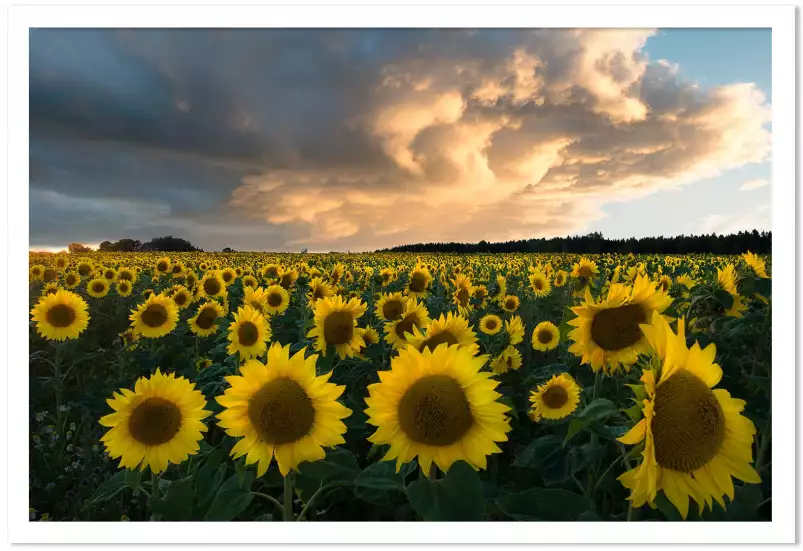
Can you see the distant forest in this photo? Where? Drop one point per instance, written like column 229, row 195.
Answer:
column 595, row 243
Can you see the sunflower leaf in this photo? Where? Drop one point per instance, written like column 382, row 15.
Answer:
column 456, row 497
column 544, row 504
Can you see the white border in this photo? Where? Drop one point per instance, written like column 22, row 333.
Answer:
column 782, row 22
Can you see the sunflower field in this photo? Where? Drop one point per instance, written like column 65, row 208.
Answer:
column 399, row 387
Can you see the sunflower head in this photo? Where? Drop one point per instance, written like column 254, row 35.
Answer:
column 545, row 336
column 203, row 323
column 555, row 399
column 390, row 306
column 449, row 329
column 212, row 285
column 336, row 324
column 539, row 284
column 60, row 316
column 98, row 287
column 510, row 303
column 123, row 287
column 154, row 318
column 162, row 266
column 418, row 285
column 509, row 359
column 277, row 299
column 398, row 332
column 248, row 333
column 514, row 328
column 491, row 324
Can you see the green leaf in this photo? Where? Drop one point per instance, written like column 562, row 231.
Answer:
column 598, row 410
column 544, row 504
column 339, row 465
column 457, row 497
column 177, row 504
column 763, row 286
column 724, row 298
column 564, row 328
column 380, row 476
column 231, row 499
column 111, row 487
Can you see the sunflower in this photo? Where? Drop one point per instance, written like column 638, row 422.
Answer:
column 84, row 268
column 369, row 336
column 415, row 314
column 545, row 336
column 109, row 274
column 250, row 281
column 686, row 280
column 276, row 299
column 72, row 280
column 127, row 274
column 228, row 275
column 249, row 333
column 515, row 329
column 181, row 296
column 555, row 399
column 695, row 438
column 50, row 274
column 491, row 324
column 36, row 272
column 270, row 271
column 123, row 287
column 98, row 288
column 318, row 289
column 162, row 266
column 212, row 285
column 282, row 409
column 62, row 262
column 336, row 324
column 437, row 405
column 510, row 303
column 479, row 295
column 50, row 289
column 585, row 269
column 664, row 283
column 203, row 324
column 387, row 276
column 756, row 264
column 727, row 279
column 462, row 293
column 160, row 422
column 539, row 284
column 501, row 287
column 336, row 273
column 418, row 286
column 390, row 306
column 450, row 329
column 607, row 332
column 177, row 270
column 155, row 318
column 128, row 339
column 60, row 316
column 509, row 359
column 288, row 278
column 560, row 278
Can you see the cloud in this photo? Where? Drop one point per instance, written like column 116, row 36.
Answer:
column 358, row 139
column 754, row 184
column 758, row 219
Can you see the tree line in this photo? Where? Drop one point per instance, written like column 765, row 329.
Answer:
column 596, row 243
column 167, row 243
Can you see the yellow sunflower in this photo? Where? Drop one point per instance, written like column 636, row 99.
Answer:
column 318, row 289
column 437, row 405
column 98, row 288
column 62, row 262
column 203, row 323
column 390, row 306
column 249, row 281
column 695, row 438
column 756, row 264
column 462, row 294
column 585, row 269
column 418, row 286
column 727, row 279
column 515, row 329
column 109, row 274
column 540, row 285
column 545, row 336
column 560, row 278
column 162, row 266
column 480, row 294
column 156, row 317
column 276, row 299
column 509, row 359
column 84, row 268
column 397, row 332
column 127, row 274
column 665, row 283
column 123, row 287
column 450, row 329
column 182, row 297
column 510, row 303
column 491, row 324
column 128, row 338
column 228, row 275
column 369, row 336
column 282, row 409
column 288, row 278
column 50, row 289
column 36, row 272
column 249, row 333
column 336, row 324
column 212, row 285
column 555, row 399
column 72, row 280
column 607, row 333
column 160, row 422
column 60, row 316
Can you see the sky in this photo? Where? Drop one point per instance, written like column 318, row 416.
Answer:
column 358, row 139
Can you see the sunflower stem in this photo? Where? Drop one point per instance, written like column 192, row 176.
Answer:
column 288, row 497
column 273, row 500
column 154, row 495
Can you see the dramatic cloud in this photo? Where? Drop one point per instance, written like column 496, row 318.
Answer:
column 754, row 184
column 358, row 139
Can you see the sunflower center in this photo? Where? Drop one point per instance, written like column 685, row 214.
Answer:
column 618, row 328
column 61, row 315
column 180, row 299
column 406, row 325
column 83, row 269
column 275, row 299
column 584, row 271
column 123, row 286
column 281, row 412
column 154, row 315
column 98, row 287
column 689, row 425
column 442, row 337
column 544, row 336
column 155, row 421
column 227, row 276
column 490, row 324
column 70, row 280
column 211, row 286
column 510, row 304
column 317, row 293
column 435, row 411
column 463, row 296
column 271, row 272
column 248, row 334
column 418, row 283
column 538, row 285
column 286, row 281
column 338, row 328
column 392, row 310
column 206, row 318
column 555, row 397
column 176, row 269
column 50, row 274
column 162, row 266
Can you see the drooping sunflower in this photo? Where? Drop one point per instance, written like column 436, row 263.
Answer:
column 509, row 359
column 418, row 285
column 249, row 333
column 282, row 409
column 276, row 299
column 480, row 295
column 212, row 285
column 695, row 438
column 203, row 323
column 437, row 405
column 545, row 336
column 335, row 325
column 607, row 333
column 491, row 324
column 756, row 264
column 555, row 399
column 72, row 280
column 510, row 303
column 60, row 316
column 450, row 329
column 155, row 318
column 128, row 339
column 539, row 284
column 514, row 328
column 123, row 287
column 181, row 296
column 160, row 422
column 390, row 306
column 397, row 332
column 98, row 288
column 318, row 289
column 727, row 279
